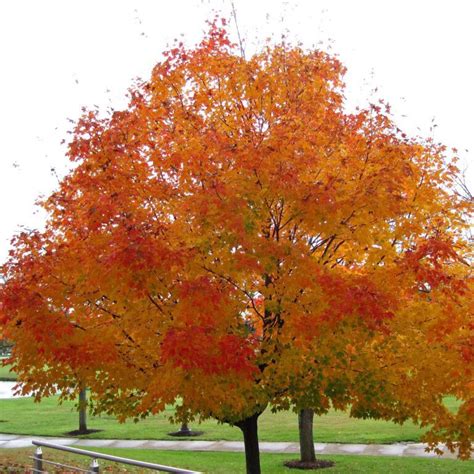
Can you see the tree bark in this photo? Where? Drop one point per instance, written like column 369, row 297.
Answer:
column 185, row 428
column 305, row 426
column 249, row 429
column 83, row 410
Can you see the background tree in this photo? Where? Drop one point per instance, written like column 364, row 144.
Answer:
column 83, row 410
column 235, row 239
column 5, row 348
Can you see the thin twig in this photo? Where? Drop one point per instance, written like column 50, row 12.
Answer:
column 234, row 14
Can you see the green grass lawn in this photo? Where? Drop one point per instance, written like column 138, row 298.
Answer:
column 228, row 463
column 5, row 374
column 23, row 416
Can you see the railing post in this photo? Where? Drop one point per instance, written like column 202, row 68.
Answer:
column 94, row 466
column 38, row 460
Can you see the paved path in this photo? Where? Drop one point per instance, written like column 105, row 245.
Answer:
column 398, row 449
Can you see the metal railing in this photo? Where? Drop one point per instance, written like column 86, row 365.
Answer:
column 39, row 461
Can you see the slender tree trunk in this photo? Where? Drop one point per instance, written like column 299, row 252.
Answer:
column 83, row 410
column 305, row 426
column 249, row 429
column 184, row 428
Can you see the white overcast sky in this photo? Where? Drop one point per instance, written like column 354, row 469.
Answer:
column 57, row 56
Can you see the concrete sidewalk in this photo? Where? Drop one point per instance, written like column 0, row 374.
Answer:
column 398, row 449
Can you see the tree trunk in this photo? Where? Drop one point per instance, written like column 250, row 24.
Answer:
column 249, row 429
column 83, row 411
column 185, row 428
column 305, row 426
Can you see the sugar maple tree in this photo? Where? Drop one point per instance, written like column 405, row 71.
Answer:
column 235, row 239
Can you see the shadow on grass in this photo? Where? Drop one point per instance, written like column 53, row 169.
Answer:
column 81, row 432
column 318, row 464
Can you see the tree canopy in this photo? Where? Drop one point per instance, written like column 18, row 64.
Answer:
column 235, row 238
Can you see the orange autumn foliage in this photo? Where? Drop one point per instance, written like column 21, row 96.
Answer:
column 235, row 238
